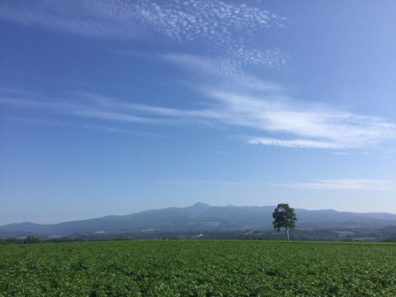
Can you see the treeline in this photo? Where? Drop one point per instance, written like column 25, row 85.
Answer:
column 357, row 234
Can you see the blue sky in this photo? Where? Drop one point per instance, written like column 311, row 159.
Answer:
column 112, row 107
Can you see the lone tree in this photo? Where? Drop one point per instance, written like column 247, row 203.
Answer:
column 31, row 239
column 284, row 217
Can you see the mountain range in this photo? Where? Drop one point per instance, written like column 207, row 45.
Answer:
column 199, row 218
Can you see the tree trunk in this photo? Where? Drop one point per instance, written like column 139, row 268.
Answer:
column 287, row 233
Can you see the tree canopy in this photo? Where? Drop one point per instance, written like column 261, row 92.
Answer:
column 284, row 217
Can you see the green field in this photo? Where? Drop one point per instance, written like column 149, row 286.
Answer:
column 197, row 268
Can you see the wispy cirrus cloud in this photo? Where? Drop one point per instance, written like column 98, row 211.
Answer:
column 230, row 94
column 246, row 100
column 110, row 129
column 227, row 72
column 284, row 123
column 96, row 107
column 176, row 19
column 296, row 143
column 196, row 182
column 304, row 125
column 344, row 184
column 225, row 27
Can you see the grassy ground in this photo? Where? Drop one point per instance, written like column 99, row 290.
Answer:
column 198, row 268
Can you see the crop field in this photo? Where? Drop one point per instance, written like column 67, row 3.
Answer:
column 197, row 268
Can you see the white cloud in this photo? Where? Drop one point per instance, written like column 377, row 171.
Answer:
column 91, row 106
column 344, row 184
column 159, row 112
column 212, row 21
column 197, row 182
column 263, row 105
column 232, row 95
column 114, row 116
column 224, row 71
column 243, row 55
column 111, row 129
column 314, row 126
column 295, row 143
column 284, row 123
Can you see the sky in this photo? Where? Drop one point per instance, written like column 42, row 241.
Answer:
column 113, row 107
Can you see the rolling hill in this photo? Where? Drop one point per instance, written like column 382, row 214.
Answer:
column 200, row 217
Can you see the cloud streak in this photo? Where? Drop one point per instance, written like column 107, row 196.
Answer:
column 197, row 182
column 284, row 123
column 295, row 143
column 305, row 125
column 345, row 184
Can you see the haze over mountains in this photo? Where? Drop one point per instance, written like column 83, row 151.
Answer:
column 200, row 218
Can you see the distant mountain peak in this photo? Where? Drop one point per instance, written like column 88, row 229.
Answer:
column 200, row 204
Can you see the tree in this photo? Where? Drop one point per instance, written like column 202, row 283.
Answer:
column 31, row 239
column 284, row 217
